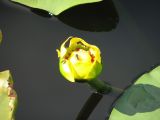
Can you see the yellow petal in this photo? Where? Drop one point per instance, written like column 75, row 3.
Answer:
column 74, row 40
column 81, row 62
column 63, row 49
column 96, row 52
column 66, row 70
column 95, row 70
column 58, row 52
column 93, row 48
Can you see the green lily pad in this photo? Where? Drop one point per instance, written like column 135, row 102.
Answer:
column 0, row 36
column 8, row 97
column 53, row 6
column 141, row 101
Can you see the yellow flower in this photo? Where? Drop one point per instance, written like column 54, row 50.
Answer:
column 79, row 61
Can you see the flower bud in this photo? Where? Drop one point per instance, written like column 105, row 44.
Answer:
column 79, row 61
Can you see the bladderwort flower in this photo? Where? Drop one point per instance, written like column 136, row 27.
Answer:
column 79, row 60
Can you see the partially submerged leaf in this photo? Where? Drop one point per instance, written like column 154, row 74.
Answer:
column 53, row 6
column 141, row 101
column 8, row 97
column 0, row 36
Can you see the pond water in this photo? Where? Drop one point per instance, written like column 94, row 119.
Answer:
column 130, row 46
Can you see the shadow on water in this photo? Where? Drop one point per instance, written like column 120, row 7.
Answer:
column 139, row 99
column 40, row 12
column 100, row 16
column 94, row 17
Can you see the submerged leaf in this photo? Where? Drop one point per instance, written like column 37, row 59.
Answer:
column 53, row 6
column 141, row 101
column 8, row 97
column 0, row 36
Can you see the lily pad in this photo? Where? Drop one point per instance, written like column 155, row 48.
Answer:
column 53, row 6
column 8, row 96
column 141, row 101
column 0, row 36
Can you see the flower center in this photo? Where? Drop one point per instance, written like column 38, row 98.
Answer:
column 80, row 52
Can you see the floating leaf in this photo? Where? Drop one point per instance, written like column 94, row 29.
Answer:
column 53, row 6
column 8, row 97
column 0, row 36
column 141, row 101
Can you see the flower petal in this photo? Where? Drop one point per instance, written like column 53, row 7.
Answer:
column 82, row 64
column 66, row 70
column 75, row 40
column 95, row 70
column 63, row 49
column 96, row 52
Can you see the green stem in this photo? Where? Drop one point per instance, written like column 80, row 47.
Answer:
column 89, row 106
column 102, row 87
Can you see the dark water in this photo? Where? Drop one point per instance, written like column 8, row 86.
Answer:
column 129, row 48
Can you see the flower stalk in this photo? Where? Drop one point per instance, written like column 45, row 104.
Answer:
column 89, row 106
column 102, row 87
